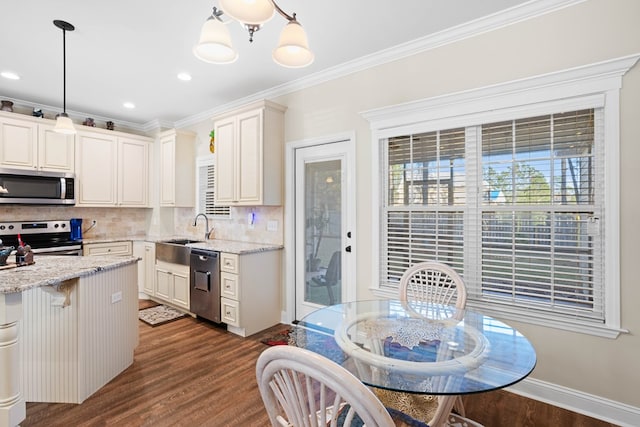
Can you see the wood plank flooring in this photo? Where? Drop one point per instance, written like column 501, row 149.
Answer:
column 190, row 372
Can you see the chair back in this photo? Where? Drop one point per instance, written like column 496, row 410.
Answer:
column 334, row 269
column 432, row 282
column 303, row 389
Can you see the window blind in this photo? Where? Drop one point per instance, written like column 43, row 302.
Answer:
column 514, row 206
column 206, row 186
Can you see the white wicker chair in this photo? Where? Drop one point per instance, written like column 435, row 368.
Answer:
column 432, row 282
column 303, row 389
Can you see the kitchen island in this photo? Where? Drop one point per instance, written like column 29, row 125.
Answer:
column 68, row 325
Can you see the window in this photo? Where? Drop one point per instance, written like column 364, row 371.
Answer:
column 510, row 186
column 205, row 189
column 535, row 226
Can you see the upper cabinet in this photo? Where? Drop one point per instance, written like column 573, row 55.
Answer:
column 249, row 149
column 177, row 168
column 112, row 169
column 27, row 144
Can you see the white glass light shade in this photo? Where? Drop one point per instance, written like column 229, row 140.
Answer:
column 293, row 48
column 64, row 125
column 254, row 12
column 214, row 45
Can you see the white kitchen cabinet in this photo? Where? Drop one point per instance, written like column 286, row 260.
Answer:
column 112, row 170
column 27, row 144
column 249, row 155
column 177, row 168
column 250, row 291
column 96, row 170
column 133, row 172
column 146, row 251
column 122, row 248
column 172, row 283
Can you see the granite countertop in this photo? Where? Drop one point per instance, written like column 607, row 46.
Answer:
column 234, row 247
column 51, row 270
column 229, row 246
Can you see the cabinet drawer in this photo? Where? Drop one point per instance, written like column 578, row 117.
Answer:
column 229, row 263
column 230, row 310
column 229, row 285
column 113, row 248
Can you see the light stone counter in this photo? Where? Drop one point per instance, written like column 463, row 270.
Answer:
column 234, row 247
column 53, row 270
column 229, row 246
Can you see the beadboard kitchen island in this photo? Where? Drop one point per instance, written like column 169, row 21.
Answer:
column 68, row 325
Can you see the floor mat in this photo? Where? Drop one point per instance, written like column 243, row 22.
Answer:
column 159, row 315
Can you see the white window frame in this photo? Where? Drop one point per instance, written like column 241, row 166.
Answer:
column 591, row 86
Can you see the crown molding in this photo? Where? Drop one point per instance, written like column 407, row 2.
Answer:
column 504, row 18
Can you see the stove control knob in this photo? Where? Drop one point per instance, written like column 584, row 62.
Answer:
column 2, row 227
column 56, row 225
column 11, row 227
column 63, row 225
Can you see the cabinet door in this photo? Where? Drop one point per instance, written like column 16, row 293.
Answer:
column 181, row 290
column 97, row 169
column 149, row 283
column 225, row 171
column 56, row 151
column 164, row 283
column 249, row 174
column 167, row 171
column 18, row 144
column 133, row 161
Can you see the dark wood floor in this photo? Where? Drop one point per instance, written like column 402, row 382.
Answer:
column 192, row 373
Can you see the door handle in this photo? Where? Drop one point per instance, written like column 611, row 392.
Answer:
column 348, row 248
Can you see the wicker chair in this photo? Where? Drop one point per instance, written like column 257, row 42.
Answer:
column 303, row 389
column 428, row 283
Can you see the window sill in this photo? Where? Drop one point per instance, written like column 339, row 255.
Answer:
column 548, row 320
column 533, row 318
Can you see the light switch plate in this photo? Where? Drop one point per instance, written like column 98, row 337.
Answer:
column 272, row 225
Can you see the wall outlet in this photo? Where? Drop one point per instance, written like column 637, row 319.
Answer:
column 115, row 297
column 272, row 225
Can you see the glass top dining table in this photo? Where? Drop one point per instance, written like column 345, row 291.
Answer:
column 418, row 348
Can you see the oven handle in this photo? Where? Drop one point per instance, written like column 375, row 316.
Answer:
column 63, row 250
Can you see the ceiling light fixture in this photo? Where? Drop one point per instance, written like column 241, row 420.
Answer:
column 184, row 76
column 215, row 46
column 10, row 75
column 63, row 122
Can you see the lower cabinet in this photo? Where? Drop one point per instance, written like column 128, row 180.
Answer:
column 123, row 248
column 146, row 251
column 250, row 291
column 172, row 283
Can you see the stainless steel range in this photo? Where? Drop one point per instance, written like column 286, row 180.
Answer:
column 44, row 237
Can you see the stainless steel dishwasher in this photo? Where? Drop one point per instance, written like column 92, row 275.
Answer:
column 205, row 284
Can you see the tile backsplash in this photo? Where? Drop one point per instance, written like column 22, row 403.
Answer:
column 141, row 222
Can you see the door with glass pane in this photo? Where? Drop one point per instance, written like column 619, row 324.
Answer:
column 321, row 227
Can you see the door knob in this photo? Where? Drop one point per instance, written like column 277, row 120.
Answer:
column 348, row 248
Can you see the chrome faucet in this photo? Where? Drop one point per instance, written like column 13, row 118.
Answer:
column 207, row 231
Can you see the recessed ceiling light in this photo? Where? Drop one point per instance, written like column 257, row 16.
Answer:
column 184, row 76
column 9, row 75
column 129, row 105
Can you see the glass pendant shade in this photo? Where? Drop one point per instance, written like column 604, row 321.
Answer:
column 214, row 45
column 293, row 48
column 64, row 125
column 253, row 12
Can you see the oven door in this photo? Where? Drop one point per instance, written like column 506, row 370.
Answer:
column 61, row 250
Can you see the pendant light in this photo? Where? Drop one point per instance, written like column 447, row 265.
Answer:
column 63, row 122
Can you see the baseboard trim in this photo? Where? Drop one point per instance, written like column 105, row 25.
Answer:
column 576, row 401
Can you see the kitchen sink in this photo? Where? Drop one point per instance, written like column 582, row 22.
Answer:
column 181, row 241
column 174, row 251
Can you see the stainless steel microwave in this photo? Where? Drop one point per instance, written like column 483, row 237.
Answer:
column 37, row 187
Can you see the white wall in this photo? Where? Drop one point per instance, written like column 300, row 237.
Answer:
column 586, row 33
